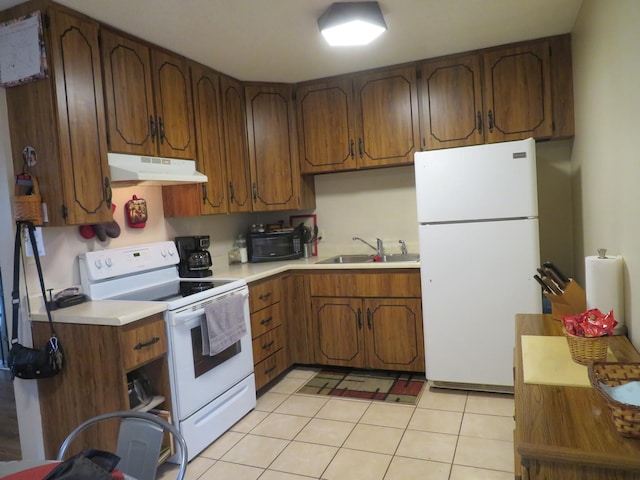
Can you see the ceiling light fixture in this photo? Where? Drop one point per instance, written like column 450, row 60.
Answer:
column 351, row 23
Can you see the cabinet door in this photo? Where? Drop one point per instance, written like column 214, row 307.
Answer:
column 387, row 117
column 325, row 125
column 235, row 142
column 206, row 93
column 451, row 103
column 518, row 93
column 272, row 148
column 338, row 331
column 82, row 131
column 174, row 106
column 128, row 95
column 394, row 334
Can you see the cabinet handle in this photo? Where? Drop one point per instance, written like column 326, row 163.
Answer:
column 161, row 126
column 152, row 127
column 204, row 194
column 369, row 318
column 269, row 370
column 266, row 320
column 232, row 193
column 264, row 296
column 266, row 346
column 479, row 122
column 141, row 345
column 107, row 187
column 359, row 317
column 351, row 148
column 490, row 117
column 360, row 147
column 255, row 191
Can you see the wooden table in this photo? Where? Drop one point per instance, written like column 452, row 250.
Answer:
column 566, row 433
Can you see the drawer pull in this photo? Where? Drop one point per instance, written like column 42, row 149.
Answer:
column 140, row 346
column 264, row 296
column 268, row 345
column 269, row 370
column 266, row 320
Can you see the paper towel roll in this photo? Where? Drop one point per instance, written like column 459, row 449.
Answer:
column 604, row 286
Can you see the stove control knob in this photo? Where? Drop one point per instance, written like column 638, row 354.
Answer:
column 98, row 263
column 108, row 262
column 163, row 253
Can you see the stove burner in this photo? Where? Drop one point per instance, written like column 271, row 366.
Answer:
column 189, row 288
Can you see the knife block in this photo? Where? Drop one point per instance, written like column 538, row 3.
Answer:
column 573, row 300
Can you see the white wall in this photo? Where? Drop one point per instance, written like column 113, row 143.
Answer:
column 606, row 158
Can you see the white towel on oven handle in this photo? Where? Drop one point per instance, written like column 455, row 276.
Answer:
column 223, row 325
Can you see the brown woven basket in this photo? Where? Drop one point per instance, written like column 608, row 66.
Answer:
column 585, row 350
column 625, row 417
column 29, row 207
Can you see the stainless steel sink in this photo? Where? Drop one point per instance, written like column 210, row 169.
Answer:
column 392, row 257
column 398, row 257
column 348, row 259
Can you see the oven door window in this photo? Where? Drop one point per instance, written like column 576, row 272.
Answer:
column 204, row 363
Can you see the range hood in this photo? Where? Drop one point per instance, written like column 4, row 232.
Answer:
column 143, row 170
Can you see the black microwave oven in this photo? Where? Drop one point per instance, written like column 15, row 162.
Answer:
column 273, row 246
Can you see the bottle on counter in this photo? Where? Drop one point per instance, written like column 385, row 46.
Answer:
column 241, row 243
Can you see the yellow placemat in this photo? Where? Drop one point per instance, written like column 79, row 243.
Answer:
column 546, row 360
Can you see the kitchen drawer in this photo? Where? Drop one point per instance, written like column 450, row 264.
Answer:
column 265, row 320
column 267, row 344
column 339, row 284
column 264, row 293
column 142, row 341
column 270, row 368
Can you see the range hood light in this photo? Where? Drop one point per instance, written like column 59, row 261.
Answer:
column 138, row 169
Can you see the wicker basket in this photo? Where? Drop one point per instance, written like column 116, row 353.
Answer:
column 29, row 207
column 585, row 350
column 625, row 417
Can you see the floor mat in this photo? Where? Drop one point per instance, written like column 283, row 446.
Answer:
column 391, row 387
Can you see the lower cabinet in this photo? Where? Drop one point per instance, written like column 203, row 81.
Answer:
column 99, row 363
column 267, row 330
column 368, row 320
column 377, row 333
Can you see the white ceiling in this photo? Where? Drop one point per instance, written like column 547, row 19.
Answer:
column 278, row 40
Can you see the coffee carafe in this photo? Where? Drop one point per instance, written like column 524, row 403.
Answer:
column 195, row 260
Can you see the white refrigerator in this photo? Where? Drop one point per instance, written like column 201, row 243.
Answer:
column 479, row 249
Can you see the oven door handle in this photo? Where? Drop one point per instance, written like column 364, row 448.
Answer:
column 184, row 316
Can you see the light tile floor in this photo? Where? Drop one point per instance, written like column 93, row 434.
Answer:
column 448, row 435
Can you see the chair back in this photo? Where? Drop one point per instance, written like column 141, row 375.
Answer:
column 139, row 443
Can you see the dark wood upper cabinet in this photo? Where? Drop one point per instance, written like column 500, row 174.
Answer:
column 276, row 183
column 359, row 121
column 499, row 94
column 148, row 99
column 62, row 118
column 236, row 147
column 326, row 126
column 210, row 197
column 387, row 118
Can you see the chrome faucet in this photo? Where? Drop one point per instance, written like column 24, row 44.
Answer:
column 403, row 247
column 379, row 249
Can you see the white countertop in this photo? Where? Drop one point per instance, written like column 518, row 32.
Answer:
column 118, row 313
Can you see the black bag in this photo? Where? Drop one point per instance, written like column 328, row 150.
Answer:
column 25, row 362
column 89, row 464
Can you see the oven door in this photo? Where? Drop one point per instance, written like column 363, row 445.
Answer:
column 197, row 379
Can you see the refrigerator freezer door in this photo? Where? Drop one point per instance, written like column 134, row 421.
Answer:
column 481, row 182
column 475, row 278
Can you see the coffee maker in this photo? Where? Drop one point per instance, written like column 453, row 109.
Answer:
column 195, row 260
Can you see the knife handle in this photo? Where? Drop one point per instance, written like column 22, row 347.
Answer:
column 554, row 276
column 557, row 271
column 552, row 286
column 545, row 289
